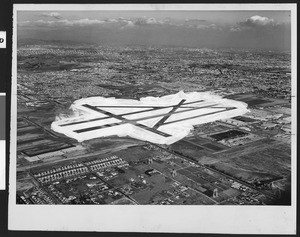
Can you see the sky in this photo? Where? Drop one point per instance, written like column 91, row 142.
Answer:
column 270, row 30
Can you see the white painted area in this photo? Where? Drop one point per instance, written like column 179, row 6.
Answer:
column 180, row 121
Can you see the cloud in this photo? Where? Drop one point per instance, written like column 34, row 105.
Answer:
column 55, row 15
column 111, row 20
column 119, row 23
column 84, row 22
column 129, row 24
column 257, row 21
column 148, row 21
column 124, row 31
column 206, row 27
column 235, row 29
column 260, row 20
column 123, row 22
column 259, row 32
column 65, row 22
column 259, row 24
column 200, row 24
column 143, row 21
column 152, row 21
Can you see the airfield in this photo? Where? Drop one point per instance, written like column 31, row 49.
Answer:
column 161, row 120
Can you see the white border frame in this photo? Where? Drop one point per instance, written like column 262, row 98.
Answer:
column 149, row 218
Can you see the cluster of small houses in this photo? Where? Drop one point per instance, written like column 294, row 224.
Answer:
column 78, row 168
column 63, row 174
column 116, row 162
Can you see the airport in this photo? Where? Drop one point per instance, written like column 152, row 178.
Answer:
column 150, row 119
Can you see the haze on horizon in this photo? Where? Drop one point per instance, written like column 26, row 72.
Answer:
column 269, row 30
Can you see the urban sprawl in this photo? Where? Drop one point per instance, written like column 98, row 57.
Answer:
column 244, row 160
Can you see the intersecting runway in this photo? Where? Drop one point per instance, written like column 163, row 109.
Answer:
column 161, row 120
column 163, row 117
